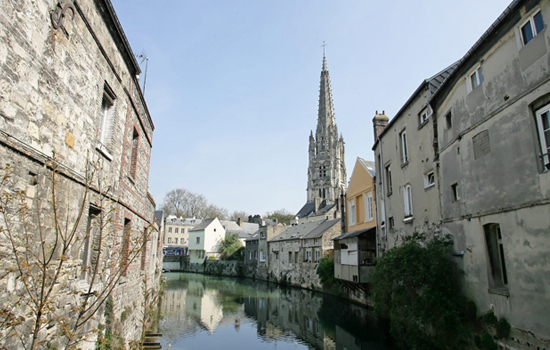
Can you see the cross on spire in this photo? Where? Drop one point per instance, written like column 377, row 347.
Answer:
column 323, row 46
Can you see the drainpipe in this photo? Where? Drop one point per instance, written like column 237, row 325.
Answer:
column 383, row 202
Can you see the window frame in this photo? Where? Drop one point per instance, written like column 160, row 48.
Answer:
column 369, row 207
column 352, row 217
column 478, row 73
column 544, row 147
column 389, row 185
column 427, row 183
column 404, row 147
column 407, row 201
column 496, row 267
column 455, row 192
column 534, row 30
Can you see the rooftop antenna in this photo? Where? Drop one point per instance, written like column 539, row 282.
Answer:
column 146, row 59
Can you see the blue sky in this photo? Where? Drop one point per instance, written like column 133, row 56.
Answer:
column 233, row 86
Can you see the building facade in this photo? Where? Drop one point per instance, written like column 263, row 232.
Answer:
column 176, row 234
column 488, row 148
column 204, row 239
column 360, row 197
column 71, row 105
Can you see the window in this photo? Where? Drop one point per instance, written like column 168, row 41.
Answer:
column 308, row 256
column 134, row 156
column 106, row 123
column 429, row 179
column 250, row 255
column 449, row 120
column 531, row 28
column 388, row 180
column 198, row 240
column 290, row 257
column 369, row 210
column 169, row 240
column 262, row 256
column 176, row 231
column 391, row 223
column 424, row 115
column 175, row 241
column 91, row 249
column 262, row 234
column 295, row 257
column 352, row 212
column 474, row 79
column 495, row 251
column 407, row 200
column 317, row 256
column 454, row 190
column 169, row 230
column 543, row 124
column 276, row 256
column 315, row 240
column 404, row 147
column 124, row 262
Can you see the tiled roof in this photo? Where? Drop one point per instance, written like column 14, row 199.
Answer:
column 203, row 224
column 310, row 229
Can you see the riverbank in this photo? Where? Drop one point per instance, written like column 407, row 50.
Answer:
column 231, row 268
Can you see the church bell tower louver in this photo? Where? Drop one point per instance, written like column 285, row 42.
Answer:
column 327, row 168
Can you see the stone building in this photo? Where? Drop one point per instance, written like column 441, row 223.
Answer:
column 407, row 195
column 294, row 254
column 490, row 157
column 176, row 234
column 326, row 174
column 256, row 250
column 71, row 102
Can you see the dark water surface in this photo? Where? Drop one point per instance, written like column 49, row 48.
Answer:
column 208, row 312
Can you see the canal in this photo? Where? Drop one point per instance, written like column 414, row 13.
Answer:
column 210, row 312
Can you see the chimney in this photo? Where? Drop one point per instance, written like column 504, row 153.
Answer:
column 379, row 122
column 239, row 221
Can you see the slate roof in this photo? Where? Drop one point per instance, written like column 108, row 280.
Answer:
column 309, row 208
column 355, row 233
column 174, row 220
column 159, row 216
column 203, row 225
column 310, row 229
column 369, row 165
column 435, row 82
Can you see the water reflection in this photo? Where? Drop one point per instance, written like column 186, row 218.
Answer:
column 208, row 312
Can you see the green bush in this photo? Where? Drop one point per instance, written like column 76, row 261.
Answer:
column 503, row 328
column 415, row 290
column 485, row 342
column 490, row 318
column 325, row 271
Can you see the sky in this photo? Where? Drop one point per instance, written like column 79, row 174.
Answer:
column 233, row 85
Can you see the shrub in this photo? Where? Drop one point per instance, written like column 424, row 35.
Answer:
column 325, row 271
column 415, row 288
column 490, row 318
column 503, row 328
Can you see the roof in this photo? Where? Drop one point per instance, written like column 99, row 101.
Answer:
column 433, row 84
column 310, row 229
column 369, row 165
column 309, row 208
column 203, row 224
column 159, row 216
column 493, row 29
column 174, row 220
column 356, row 233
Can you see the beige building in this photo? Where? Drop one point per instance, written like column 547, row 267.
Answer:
column 360, row 198
column 176, row 234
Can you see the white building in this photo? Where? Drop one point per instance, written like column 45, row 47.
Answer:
column 204, row 239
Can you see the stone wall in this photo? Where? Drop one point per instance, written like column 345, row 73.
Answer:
column 54, row 76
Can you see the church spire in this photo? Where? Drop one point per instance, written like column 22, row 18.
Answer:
column 327, row 170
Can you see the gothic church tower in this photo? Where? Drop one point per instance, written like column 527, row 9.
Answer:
column 327, row 168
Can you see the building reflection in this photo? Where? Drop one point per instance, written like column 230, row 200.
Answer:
column 198, row 302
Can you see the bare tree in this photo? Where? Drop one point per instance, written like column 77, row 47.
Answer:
column 57, row 268
column 239, row 214
column 181, row 202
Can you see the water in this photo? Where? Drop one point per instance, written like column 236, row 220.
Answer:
column 208, row 312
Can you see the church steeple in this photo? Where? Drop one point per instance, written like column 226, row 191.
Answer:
column 327, row 170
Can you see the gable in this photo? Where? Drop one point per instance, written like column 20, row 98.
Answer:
column 361, row 179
